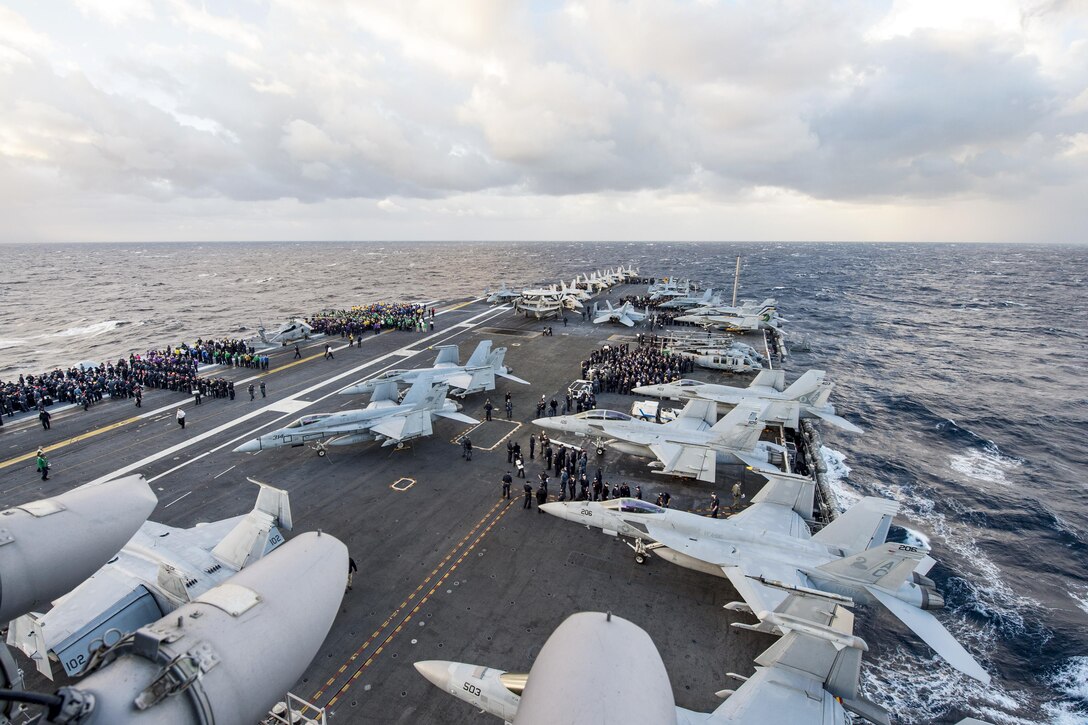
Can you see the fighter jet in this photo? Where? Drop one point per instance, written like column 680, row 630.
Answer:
column 809, row 676
column 807, row 397
column 478, row 374
column 625, row 315
column 769, row 546
column 158, row 570
column 688, row 446
column 744, row 309
column 708, row 298
column 293, row 331
column 502, row 296
column 382, row 419
column 745, row 323
column 574, row 291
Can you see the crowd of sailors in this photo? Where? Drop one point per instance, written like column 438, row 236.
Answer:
column 173, row 369
column 619, row 368
column 373, row 318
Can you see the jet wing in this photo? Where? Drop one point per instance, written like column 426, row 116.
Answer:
column 625, row 320
column 758, row 597
column 684, row 460
column 836, row 420
column 932, row 632
column 772, row 517
column 402, row 427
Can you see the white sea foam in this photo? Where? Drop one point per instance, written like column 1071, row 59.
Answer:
column 986, row 464
column 917, row 538
column 11, row 342
column 1071, row 680
column 90, row 330
column 838, row 474
column 1081, row 598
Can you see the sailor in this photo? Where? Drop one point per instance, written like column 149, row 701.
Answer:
column 570, row 487
column 181, row 418
column 714, row 505
column 520, row 465
column 532, row 446
column 467, row 444
column 230, row 389
column 737, row 496
column 351, row 571
column 487, row 409
column 528, row 504
column 541, row 496
column 196, row 393
column 262, row 389
column 298, row 353
column 554, row 406
column 43, row 416
column 506, row 481
column 509, row 407
column 509, row 450
column 638, row 492
column 328, row 352
column 43, row 465
column 138, row 393
column 252, row 394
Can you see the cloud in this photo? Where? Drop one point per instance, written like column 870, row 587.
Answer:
column 496, row 111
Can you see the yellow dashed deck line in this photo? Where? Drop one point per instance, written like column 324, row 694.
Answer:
column 389, row 638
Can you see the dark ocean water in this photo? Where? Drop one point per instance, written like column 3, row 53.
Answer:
column 965, row 364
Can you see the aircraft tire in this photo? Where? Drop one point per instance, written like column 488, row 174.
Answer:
column 640, row 558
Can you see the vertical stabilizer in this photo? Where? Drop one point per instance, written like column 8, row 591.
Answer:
column 805, row 388
column 447, row 355
column 774, row 379
column 479, row 355
column 865, row 525
column 740, row 428
column 419, row 391
column 384, row 391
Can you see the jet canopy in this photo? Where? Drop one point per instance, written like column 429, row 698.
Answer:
column 687, row 383
column 603, row 415
column 309, row 419
column 632, row 506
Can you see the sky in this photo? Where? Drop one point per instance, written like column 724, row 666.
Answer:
column 733, row 120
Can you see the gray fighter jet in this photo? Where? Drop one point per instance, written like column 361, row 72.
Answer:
column 625, row 314
column 687, row 446
column 807, row 397
column 501, row 296
column 476, row 375
column 382, row 419
column 158, row 570
column 767, row 549
column 809, row 676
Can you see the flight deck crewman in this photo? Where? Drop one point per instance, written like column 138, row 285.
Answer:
column 528, row 496
column 506, row 481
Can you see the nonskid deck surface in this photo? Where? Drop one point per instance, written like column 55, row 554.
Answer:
column 447, row 569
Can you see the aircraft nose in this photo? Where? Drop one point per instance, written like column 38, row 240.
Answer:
column 550, row 423
column 250, row 446
column 437, row 672
column 555, row 508
column 353, row 390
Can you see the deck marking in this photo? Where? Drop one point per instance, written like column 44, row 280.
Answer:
column 494, row 514
column 220, row 474
column 176, row 500
column 400, row 485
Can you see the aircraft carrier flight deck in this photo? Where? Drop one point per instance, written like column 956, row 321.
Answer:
column 447, row 569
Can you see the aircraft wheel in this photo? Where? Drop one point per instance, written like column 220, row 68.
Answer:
column 640, row 558
column 600, row 451
column 321, row 452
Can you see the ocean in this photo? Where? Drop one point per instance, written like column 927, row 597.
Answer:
column 965, row 364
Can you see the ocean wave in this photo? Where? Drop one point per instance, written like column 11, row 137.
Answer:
column 1071, row 680
column 986, row 464
column 97, row 328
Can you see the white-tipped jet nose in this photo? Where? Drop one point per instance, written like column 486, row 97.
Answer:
column 353, row 390
column 548, row 423
column 251, row 446
column 437, row 672
column 562, row 510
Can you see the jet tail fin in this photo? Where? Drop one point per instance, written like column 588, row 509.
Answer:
column 250, row 539
column 740, row 428
column 420, row 391
column 447, row 355
column 695, row 409
column 863, row 526
column 384, row 390
column 797, row 492
column 480, row 355
column 827, row 654
column 805, row 388
column 775, row 379
column 887, row 565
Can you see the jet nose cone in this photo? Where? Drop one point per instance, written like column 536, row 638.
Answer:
column 353, row 390
column 556, row 508
column 251, row 446
column 550, row 423
column 437, row 672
